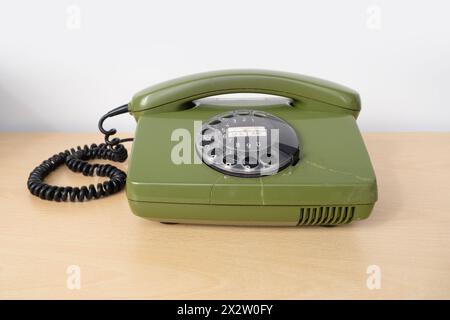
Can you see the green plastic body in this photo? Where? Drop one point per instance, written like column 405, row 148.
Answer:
column 333, row 183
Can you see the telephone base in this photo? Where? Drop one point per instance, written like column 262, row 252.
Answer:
column 170, row 213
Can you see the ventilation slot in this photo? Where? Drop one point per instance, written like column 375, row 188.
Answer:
column 310, row 216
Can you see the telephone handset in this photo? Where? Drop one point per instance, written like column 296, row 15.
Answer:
column 297, row 161
column 304, row 91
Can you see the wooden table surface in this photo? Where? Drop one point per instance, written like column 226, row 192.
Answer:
column 122, row 256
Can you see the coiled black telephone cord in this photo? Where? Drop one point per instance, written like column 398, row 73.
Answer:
column 76, row 160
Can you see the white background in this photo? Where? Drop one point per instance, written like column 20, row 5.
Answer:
column 65, row 63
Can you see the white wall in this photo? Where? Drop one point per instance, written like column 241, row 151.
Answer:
column 60, row 73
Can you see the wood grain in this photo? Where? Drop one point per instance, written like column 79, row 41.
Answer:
column 123, row 256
